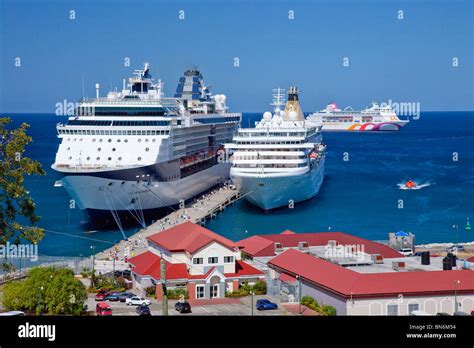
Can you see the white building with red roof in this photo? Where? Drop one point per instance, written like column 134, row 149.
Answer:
column 375, row 289
column 204, row 263
column 358, row 276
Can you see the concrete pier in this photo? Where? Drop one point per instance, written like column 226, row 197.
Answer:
column 203, row 208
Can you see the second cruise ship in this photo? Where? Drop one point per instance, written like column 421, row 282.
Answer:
column 375, row 118
column 133, row 154
column 281, row 160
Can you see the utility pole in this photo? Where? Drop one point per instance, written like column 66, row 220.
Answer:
column 299, row 294
column 164, row 301
column 456, row 305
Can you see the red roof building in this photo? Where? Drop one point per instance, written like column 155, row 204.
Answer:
column 200, row 261
column 354, row 292
column 264, row 244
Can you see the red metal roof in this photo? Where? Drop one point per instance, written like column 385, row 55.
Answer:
column 188, row 237
column 148, row 264
column 347, row 283
column 263, row 245
column 287, row 278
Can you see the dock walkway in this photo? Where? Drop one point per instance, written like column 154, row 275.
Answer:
column 205, row 207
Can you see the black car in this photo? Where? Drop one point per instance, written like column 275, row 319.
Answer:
column 143, row 310
column 124, row 295
column 183, row 307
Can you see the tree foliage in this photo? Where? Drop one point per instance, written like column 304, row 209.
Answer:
column 15, row 201
column 46, row 290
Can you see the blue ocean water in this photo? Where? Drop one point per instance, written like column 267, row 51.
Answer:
column 359, row 196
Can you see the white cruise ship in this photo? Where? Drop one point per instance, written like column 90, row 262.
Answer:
column 130, row 156
column 375, row 118
column 281, row 160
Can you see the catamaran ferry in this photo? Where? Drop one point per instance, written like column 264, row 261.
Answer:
column 133, row 154
column 375, row 118
column 281, row 160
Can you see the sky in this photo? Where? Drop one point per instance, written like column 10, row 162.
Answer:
column 277, row 44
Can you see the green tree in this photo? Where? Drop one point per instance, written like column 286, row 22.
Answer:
column 57, row 290
column 15, row 201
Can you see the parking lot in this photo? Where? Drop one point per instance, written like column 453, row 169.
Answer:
column 240, row 306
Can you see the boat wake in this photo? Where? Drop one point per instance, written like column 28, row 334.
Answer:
column 402, row 186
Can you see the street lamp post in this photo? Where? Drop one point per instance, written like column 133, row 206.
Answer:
column 252, row 293
column 93, row 264
column 456, row 305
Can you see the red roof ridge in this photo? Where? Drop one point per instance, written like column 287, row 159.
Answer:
column 188, row 236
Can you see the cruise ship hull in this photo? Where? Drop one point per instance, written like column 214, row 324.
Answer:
column 135, row 200
column 388, row 126
column 275, row 192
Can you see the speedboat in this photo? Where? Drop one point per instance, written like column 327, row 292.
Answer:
column 410, row 184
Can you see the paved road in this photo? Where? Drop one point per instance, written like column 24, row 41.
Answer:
column 242, row 308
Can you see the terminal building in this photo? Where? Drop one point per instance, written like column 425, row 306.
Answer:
column 358, row 276
column 204, row 263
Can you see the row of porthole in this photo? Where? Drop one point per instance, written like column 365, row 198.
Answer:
column 114, row 149
column 110, row 140
column 110, row 158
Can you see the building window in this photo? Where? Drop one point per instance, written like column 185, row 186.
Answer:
column 199, row 291
column 392, row 309
column 413, row 307
column 197, row 261
column 228, row 259
column 213, row 259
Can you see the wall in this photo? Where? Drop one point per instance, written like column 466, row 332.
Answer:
column 323, row 297
column 212, row 250
column 429, row 304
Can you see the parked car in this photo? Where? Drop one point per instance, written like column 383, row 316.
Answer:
column 419, row 313
column 143, row 310
column 103, row 309
column 264, row 304
column 460, row 314
column 455, row 248
column 114, row 296
column 136, row 301
column 101, row 295
column 12, row 313
column 183, row 307
column 124, row 295
column 406, row 251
